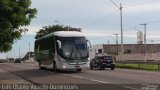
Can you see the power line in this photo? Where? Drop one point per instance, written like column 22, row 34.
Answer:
column 121, row 20
column 152, row 22
column 140, row 4
column 104, row 18
column 108, row 16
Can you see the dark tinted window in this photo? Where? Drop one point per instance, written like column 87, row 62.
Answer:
column 104, row 57
column 100, row 57
column 108, row 57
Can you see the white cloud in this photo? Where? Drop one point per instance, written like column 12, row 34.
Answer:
column 143, row 9
column 126, row 34
column 85, row 11
column 32, row 30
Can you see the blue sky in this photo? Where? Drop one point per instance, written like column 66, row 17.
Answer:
column 99, row 20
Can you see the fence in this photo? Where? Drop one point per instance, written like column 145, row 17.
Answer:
column 140, row 56
column 140, row 64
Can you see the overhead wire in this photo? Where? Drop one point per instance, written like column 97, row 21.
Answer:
column 151, row 22
column 104, row 18
column 110, row 15
column 140, row 4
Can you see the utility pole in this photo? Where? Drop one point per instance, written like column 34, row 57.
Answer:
column 19, row 53
column 121, row 20
column 108, row 42
column 29, row 51
column 11, row 57
column 144, row 41
column 14, row 54
column 116, row 41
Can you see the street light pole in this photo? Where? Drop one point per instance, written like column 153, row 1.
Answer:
column 144, row 41
column 122, row 48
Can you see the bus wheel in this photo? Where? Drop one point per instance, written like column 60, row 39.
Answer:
column 55, row 67
column 91, row 67
column 40, row 66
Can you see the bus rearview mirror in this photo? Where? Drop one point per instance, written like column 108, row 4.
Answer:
column 59, row 44
column 89, row 43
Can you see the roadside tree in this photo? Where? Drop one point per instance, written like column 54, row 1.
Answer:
column 49, row 29
column 14, row 15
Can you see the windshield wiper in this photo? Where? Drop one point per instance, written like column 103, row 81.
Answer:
column 79, row 51
column 71, row 53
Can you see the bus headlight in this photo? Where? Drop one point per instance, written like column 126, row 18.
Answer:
column 64, row 66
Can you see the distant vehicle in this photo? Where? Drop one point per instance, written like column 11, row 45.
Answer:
column 17, row 61
column 2, row 61
column 62, row 50
column 102, row 61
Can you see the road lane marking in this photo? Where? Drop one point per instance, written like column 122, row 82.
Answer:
column 73, row 76
column 29, row 67
column 131, row 88
column 24, row 67
column 86, row 78
column 136, row 74
column 99, row 81
column 138, row 71
column 94, row 80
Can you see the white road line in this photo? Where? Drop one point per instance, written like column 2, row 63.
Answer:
column 99, row 81
column 146, row 76
column 138, row 71
column 28, row 67
column 143, row 76
column 131, row 88
column 24, row 67
column 86, row 78
column 91, row 79
column 74, row 76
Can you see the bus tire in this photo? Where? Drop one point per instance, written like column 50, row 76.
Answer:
column 91, row 67
column 39, row 63
column 55, row 67
column 40, row 66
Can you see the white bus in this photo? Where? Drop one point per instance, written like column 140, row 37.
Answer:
column 62, row 50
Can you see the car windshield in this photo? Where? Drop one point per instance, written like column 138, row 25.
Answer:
column 105, row 57
column 108, row 57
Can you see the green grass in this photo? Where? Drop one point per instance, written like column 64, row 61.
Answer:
column 151, row 67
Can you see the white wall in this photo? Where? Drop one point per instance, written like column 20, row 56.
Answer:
column 94, row 49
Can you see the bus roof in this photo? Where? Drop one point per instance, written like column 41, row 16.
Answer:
column 64, row 34
column 69, row 34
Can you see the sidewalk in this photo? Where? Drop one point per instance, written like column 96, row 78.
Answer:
column 9, row 78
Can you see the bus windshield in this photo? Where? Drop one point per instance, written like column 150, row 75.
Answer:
column 74, row 48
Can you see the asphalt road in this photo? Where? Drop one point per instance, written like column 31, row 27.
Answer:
column 119, row 79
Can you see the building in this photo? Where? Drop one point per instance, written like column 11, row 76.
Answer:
column 131, row 51
column 95, row 50
column 140, row 37
column 29, row 57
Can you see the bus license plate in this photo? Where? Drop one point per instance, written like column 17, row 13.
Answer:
column 77, row 66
